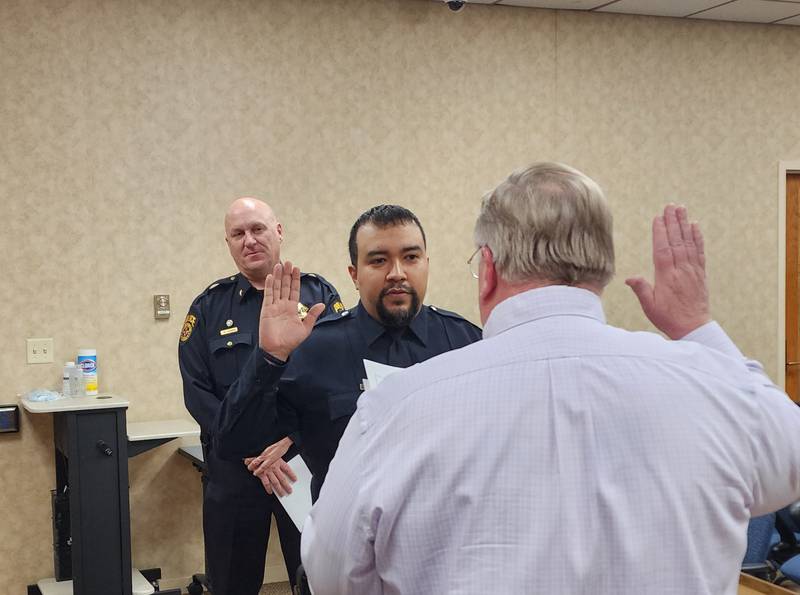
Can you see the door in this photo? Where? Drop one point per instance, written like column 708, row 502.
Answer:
column 792, row 377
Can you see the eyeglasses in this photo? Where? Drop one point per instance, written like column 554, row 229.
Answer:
column 474, row 263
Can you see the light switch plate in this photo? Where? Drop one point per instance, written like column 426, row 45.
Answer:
column 40, row 351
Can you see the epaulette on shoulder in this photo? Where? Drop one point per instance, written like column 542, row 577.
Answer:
column 332, row 318
column 220, row 283
column 322, row 280
column 448, row 313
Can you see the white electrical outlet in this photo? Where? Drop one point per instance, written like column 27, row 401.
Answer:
column 40, row 351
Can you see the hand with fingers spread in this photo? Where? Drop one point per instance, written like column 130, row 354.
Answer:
column 280, row 328
column 677, row 302
column 277, row 478
column 269, row 457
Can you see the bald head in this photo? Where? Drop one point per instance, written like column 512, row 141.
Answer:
column 245, row 205
column 254, row 238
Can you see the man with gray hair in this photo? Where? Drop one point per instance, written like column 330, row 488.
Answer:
column 569, row 445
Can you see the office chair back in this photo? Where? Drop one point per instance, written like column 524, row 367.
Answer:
column 759, row 535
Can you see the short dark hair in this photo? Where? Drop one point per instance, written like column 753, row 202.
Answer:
column 382, row 216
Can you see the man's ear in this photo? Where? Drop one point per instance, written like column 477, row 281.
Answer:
column 353, row 270
column 279, row 230
column 487, row 275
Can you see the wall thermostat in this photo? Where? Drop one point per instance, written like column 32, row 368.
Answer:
column 9, row 418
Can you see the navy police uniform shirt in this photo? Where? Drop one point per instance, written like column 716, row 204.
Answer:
column 317, row 389
column 219, row 335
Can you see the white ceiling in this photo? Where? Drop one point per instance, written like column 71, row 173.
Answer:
column 781, row 12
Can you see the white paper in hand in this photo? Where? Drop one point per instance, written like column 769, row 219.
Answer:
column 376, row 372
column 298, row 503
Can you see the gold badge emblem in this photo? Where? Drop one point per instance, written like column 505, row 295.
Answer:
column 302, row 310
column 188, row 327
column 338, row 307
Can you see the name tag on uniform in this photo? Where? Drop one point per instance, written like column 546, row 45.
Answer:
column 228, row 331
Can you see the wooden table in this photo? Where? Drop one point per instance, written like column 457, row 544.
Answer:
column 750, row 585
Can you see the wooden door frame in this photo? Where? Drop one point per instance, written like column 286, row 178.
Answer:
column 784, row 168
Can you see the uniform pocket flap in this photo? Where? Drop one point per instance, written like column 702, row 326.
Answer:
column 229, row 341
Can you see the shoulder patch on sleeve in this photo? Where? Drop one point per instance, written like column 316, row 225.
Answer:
column 188, row 327
column 325, row 293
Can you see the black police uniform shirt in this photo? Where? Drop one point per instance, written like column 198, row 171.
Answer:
column 317, row 389
column 219, row 335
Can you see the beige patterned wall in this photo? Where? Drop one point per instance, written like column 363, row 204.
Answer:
column 127, row 127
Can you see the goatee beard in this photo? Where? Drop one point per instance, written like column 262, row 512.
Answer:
column 399, row 317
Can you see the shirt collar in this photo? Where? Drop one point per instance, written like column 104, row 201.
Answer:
column 373, row 330
column 243, row 286
column 544, row 302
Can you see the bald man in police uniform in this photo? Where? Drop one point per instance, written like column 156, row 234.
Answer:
column 390, row 325
column 218, row 336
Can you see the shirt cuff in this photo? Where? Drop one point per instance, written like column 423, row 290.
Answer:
column 269, row 368
column 711, row 335
column 296, row 440
column 271, row 358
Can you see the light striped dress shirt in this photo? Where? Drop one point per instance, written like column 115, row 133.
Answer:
column 559, row 455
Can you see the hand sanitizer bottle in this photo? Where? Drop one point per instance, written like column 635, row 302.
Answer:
column 72, row 380
column 76, row 381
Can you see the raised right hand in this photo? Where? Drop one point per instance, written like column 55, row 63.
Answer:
column 280, row 329
column 677, row 302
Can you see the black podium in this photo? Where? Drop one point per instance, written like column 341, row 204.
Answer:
column 91, row 513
